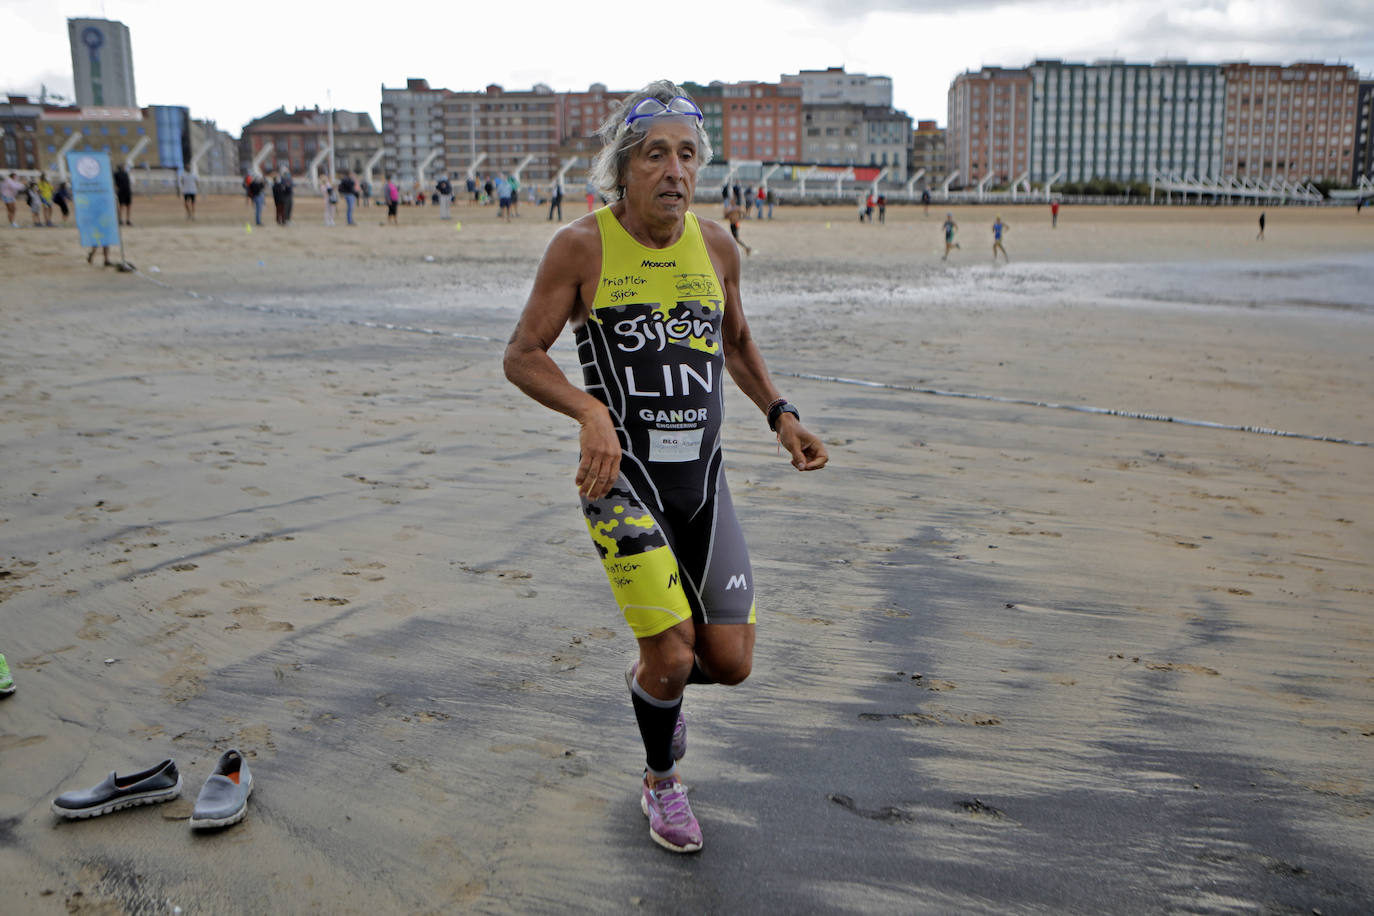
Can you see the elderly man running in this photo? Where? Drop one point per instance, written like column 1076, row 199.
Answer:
column 653, row 296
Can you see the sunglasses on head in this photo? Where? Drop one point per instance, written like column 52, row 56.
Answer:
column 653, row 108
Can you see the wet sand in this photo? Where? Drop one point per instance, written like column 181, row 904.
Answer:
column 1011, row 658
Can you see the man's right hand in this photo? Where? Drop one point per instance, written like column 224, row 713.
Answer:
column 599, row 467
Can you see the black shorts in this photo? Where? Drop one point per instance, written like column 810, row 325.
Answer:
column 391, row 208
column 190, row 197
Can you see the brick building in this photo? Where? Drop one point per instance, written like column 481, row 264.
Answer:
column 989, row 129
column 928, row 152
column 1296, row 123
column 760, row 121
column 19, row 141
column 295, row 138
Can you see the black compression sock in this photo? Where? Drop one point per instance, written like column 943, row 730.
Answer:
column 656, row 719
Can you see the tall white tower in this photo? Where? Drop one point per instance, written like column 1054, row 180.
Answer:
column 102, row 63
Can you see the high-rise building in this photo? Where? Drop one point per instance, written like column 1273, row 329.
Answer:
column 1364, row 134
column 412, row 129
column 1295, row 123
column 1125, row 122
column 989, row 126
column 102, row 63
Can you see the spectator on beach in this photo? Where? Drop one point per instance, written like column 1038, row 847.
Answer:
column 393, row 201
column 255, row 189
column 62, row 196
column 950, row 228
column 35, row 203
column 278, row 200
column 348, row 189
column 45, row 195
column 331, row 198
column 772, row 201
column 1259, row 237
column 925, row 201
column 288, row 195
column 124, row 196
column 10, row 189
column 445, row 189
column 882, row 208
column 748, row 201
column 591, row 196
column 762, row 199
column 1054, row 213
column 471, row 184
column 366, row 188
column 503, row 197
column 739, row 195
column 188, row 184
column 514, row 182
column 556, row 199
column 998, row 227
column 490, row 188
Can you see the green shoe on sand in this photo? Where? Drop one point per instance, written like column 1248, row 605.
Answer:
column 6, row 681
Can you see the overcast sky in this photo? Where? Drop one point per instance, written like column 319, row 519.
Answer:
column 234, row 62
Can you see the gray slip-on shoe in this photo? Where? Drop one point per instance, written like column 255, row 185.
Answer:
column 223, row 800
column 156, row 784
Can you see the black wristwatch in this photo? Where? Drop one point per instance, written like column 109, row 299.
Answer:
column 777, row 410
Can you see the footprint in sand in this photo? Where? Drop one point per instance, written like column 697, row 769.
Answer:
column 249, row 617
column 95, row 624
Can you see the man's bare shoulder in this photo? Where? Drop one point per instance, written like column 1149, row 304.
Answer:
column 578, row 239
column 717, row 238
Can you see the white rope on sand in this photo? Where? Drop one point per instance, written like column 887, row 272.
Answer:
column 835, row 379
column 1081, row 408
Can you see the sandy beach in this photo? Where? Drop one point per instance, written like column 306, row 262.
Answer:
column 272, row 491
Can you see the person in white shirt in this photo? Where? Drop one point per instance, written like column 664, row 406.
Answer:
column 188, row 184
column 10, row 189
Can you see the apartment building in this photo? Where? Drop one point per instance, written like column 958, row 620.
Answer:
column 989, row 130
column 833, row 86
column 413, row 132
column 20, row 147
column 516, row 130
column 761, row 121
column 1296, row 123
column 928, row 153
column 1364, row 134
column 1124, row 122
column 297, row 137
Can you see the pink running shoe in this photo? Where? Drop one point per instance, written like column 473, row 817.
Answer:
column 679, row 727
column 671, row 823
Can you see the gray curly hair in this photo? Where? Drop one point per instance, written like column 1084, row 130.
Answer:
column 619, row 138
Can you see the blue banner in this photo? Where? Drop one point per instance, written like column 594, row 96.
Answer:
column 93, row 193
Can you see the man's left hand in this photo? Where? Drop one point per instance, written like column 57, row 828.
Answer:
column 807, row 451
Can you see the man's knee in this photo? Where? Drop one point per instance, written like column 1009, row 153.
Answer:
column 735, row 673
